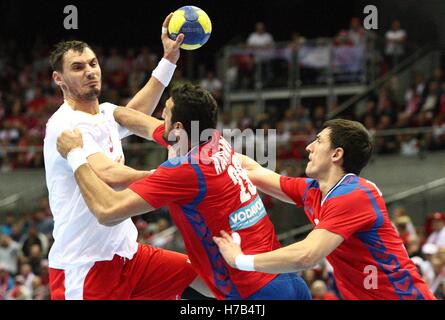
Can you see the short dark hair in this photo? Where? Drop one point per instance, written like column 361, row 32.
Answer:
column 56, row 57
column 194, row 103
column 355, row 140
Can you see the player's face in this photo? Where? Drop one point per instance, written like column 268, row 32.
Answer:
column 81, row 76
column 320, row 155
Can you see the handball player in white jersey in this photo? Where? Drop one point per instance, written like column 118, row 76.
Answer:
column 89, row 260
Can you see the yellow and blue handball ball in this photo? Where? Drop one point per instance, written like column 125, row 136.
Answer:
column 194, row 23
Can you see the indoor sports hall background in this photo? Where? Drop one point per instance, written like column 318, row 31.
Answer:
column 315, row 60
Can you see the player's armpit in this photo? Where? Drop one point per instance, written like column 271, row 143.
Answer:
column 137, row 122
column 112, row 173
column 265, row 180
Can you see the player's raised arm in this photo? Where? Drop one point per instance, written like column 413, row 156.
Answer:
column 148, row 97
column 264, row 179
column 140, row 124
column 110, row 207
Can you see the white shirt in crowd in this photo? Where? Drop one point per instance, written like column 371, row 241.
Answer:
column 393, row 44
column 437, row 238
column 260, row 39
column 79, row 239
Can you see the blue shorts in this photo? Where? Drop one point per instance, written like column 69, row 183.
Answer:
column 286, row 286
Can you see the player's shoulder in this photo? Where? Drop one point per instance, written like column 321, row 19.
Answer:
column 177, row 164
column 60, row 120
column 350, row 188
column 107, row 108
column 179, row 168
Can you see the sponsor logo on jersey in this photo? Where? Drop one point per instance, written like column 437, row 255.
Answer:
column 248, row 215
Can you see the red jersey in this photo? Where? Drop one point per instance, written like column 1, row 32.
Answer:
column 355, row 209
column 207, row 191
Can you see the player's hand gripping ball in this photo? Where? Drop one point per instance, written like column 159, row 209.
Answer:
column 194, row 23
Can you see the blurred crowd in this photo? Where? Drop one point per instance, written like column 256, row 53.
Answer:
column 25, row 241
column 28, row 97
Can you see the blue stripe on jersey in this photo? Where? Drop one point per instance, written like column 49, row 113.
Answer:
column 220, row 272
column 386, row 261
column 174, row 162
column 311, row 184
column 344, row 188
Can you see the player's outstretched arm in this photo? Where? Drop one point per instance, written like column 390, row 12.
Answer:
column 264, row 179
column 295, row 257
column 140, row 124
column 148, row 97
column 110, row 207
column 114, row 174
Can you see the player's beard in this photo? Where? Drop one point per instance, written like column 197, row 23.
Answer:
column 90, row 94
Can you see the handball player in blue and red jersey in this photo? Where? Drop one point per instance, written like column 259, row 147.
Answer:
column 351, row 225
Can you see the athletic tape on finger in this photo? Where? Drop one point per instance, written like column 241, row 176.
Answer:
column 236, row 238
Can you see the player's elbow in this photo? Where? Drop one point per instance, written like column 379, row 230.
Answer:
column 104, row 216
column 307, row 260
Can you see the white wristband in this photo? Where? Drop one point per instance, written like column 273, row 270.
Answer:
column 76, row 158
column 245, row 262
column 164, row 71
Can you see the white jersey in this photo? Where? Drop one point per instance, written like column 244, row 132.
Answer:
column 78, row 237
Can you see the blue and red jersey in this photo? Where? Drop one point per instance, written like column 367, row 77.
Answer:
column 207, row 191
column 371, row 262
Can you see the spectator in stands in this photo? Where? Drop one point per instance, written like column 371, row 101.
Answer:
column 429, row 251
column 437, row 237
column 260, row 38
column 6, row 281
column 437, row 139
column 413, row 246
column 320, row 291
column 35, row 258
column 9, row 253
column 113, row 62
column 395, row 43
column 439, row 272
column 212, row 84
column 27, row 274
column 225, row 121
column 39, row 290
column 6, row 227
column 34, row 237
column 402, row 228
column 319, row 116
column 19, row 291
column 401, row 212
column 16, row 231
column 44, row 223
column 356, row 33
